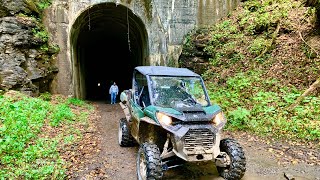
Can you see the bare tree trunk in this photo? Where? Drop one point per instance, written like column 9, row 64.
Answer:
column 315, row 85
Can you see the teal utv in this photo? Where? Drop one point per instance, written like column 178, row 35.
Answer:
column 168, row 113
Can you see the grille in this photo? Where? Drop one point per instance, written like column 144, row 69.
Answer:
column 198, row 139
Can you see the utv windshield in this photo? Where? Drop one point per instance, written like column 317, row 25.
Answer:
column 167, row 91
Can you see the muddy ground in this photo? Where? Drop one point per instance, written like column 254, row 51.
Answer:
column 266, row 159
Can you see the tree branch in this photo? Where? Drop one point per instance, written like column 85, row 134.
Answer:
column 315, row 85
column 307, row 43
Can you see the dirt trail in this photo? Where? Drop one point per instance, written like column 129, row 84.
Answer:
column 118, row 163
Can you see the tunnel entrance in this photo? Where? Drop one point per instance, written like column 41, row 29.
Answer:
column 107, row 42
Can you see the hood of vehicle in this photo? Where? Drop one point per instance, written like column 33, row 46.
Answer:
column 183, row 106
column 186, row 112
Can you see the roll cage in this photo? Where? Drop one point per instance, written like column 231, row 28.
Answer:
column 157, row 85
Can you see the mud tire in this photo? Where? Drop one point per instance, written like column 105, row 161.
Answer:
column 124, row 135
column 149, row 165
column 237, row 168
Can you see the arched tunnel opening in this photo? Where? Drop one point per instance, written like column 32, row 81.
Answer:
column 107, row 42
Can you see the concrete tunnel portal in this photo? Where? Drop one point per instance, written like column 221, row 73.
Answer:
column 107, row 42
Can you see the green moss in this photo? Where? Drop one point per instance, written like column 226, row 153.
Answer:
column 148, row 8
column 171, row 62
column 32, row 6
column 40, row 33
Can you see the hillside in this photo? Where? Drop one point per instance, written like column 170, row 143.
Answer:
column 257, row 62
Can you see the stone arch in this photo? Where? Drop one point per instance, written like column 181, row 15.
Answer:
column 106, row 41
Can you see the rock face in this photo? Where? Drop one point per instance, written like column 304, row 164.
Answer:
column 11, row 7
column 24, row 66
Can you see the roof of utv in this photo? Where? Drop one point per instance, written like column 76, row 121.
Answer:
column 165, row 71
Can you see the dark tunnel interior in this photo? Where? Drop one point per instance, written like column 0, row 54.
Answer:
column 108, row 42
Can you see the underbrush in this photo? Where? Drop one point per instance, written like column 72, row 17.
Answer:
column 33, row 132
column 256, row 62
column 261, row 106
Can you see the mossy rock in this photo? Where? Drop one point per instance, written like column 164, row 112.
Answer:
column 32, row 6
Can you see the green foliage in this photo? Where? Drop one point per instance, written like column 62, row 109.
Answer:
column 69, row 139
column 79, row 103
column 222, row 44
column 188, row 44
column 43, row 4
column 44, row 48
column 25, row 151
column 61, row 112
column 37, row 6
column 308, row 52
column 249, row 107
column 245, row 36
column 76, row 101
column 239, row 82
column 239, row 118
column 171, row 62
column 259, row 16
column 258, row 45
column 45, row 96
column 54, row 48
column 255, row 92
column 41, row 33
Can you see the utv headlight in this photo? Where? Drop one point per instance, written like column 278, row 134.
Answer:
column 219, row 119
column 164, row 119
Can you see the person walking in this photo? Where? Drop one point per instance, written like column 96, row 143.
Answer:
column 113, row 91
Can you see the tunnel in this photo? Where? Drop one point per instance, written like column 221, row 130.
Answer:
column 107, row 41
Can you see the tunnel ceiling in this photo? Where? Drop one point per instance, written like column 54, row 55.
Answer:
column 102, row 50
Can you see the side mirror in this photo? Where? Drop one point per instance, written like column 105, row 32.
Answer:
column 123, row 97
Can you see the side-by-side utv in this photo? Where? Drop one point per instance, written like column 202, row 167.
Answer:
column 168, row 113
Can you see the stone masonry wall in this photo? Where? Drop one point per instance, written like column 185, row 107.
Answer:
column 166, row 22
